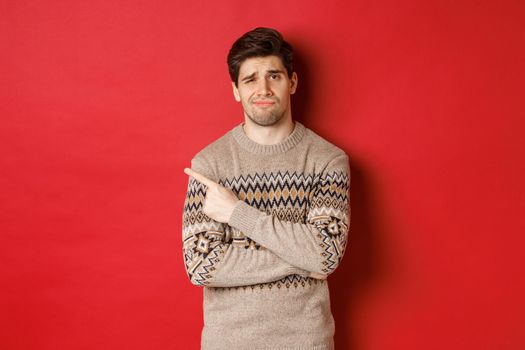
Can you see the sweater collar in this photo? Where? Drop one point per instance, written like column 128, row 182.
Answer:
column 288, row 143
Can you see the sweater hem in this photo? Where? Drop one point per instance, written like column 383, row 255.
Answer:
column 328, row 346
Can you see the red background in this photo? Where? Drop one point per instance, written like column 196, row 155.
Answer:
column 104, row 103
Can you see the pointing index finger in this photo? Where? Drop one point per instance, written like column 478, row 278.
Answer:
column 199, row 177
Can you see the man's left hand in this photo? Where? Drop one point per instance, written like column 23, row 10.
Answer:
column 219, row 201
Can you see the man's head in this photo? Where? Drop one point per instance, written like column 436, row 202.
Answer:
column 259, row 42
column 260, row 66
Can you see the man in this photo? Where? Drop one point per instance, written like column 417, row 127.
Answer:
column 267, row 213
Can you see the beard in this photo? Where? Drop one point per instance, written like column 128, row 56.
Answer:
column 264, row 117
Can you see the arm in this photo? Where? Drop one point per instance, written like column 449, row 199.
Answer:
column 210, row 257
column 317, row 245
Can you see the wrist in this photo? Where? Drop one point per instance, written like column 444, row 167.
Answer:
column 232, row 209
column 244, row 217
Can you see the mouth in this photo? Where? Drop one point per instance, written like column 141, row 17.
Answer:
column 264, row 103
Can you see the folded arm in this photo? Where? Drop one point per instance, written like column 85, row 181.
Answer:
column 213, row 258
column 318, row 245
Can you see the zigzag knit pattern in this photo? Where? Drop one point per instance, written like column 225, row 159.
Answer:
column 290, row 196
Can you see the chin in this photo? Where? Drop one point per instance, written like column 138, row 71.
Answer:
column 266, row 122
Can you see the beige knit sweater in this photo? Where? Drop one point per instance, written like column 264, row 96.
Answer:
column 293, row 218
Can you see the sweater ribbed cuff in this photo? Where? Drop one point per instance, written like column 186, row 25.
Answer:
column 244, row 217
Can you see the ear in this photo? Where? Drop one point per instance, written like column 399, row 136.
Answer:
column 293, row 83
column 236, row 93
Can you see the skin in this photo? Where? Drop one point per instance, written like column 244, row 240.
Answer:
column 264, row 90
column 264, row 79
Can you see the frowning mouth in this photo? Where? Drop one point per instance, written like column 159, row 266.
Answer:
column 263, row 103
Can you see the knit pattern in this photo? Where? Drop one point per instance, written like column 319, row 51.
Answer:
column 292, row 219
column 321, row 201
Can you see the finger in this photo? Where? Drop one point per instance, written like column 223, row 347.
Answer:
column 318, row 276
column 201, row 178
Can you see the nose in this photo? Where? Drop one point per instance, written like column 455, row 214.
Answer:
column 264, row 88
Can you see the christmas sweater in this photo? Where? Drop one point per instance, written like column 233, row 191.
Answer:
column 293, row 218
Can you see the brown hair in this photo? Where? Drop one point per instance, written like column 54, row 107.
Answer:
column 259, row 42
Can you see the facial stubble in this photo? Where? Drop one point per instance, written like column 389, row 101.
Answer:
column 263, row 117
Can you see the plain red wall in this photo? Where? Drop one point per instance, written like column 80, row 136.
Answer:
column 103, row 104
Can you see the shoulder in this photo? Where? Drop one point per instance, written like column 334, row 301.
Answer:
column 325, row 153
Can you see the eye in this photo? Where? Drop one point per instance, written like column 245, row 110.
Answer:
column 274, row 76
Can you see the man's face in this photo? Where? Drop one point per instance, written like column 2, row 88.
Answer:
column 264, row 89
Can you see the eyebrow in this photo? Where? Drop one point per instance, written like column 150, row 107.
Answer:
column 248, row 77
column 269, row 71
